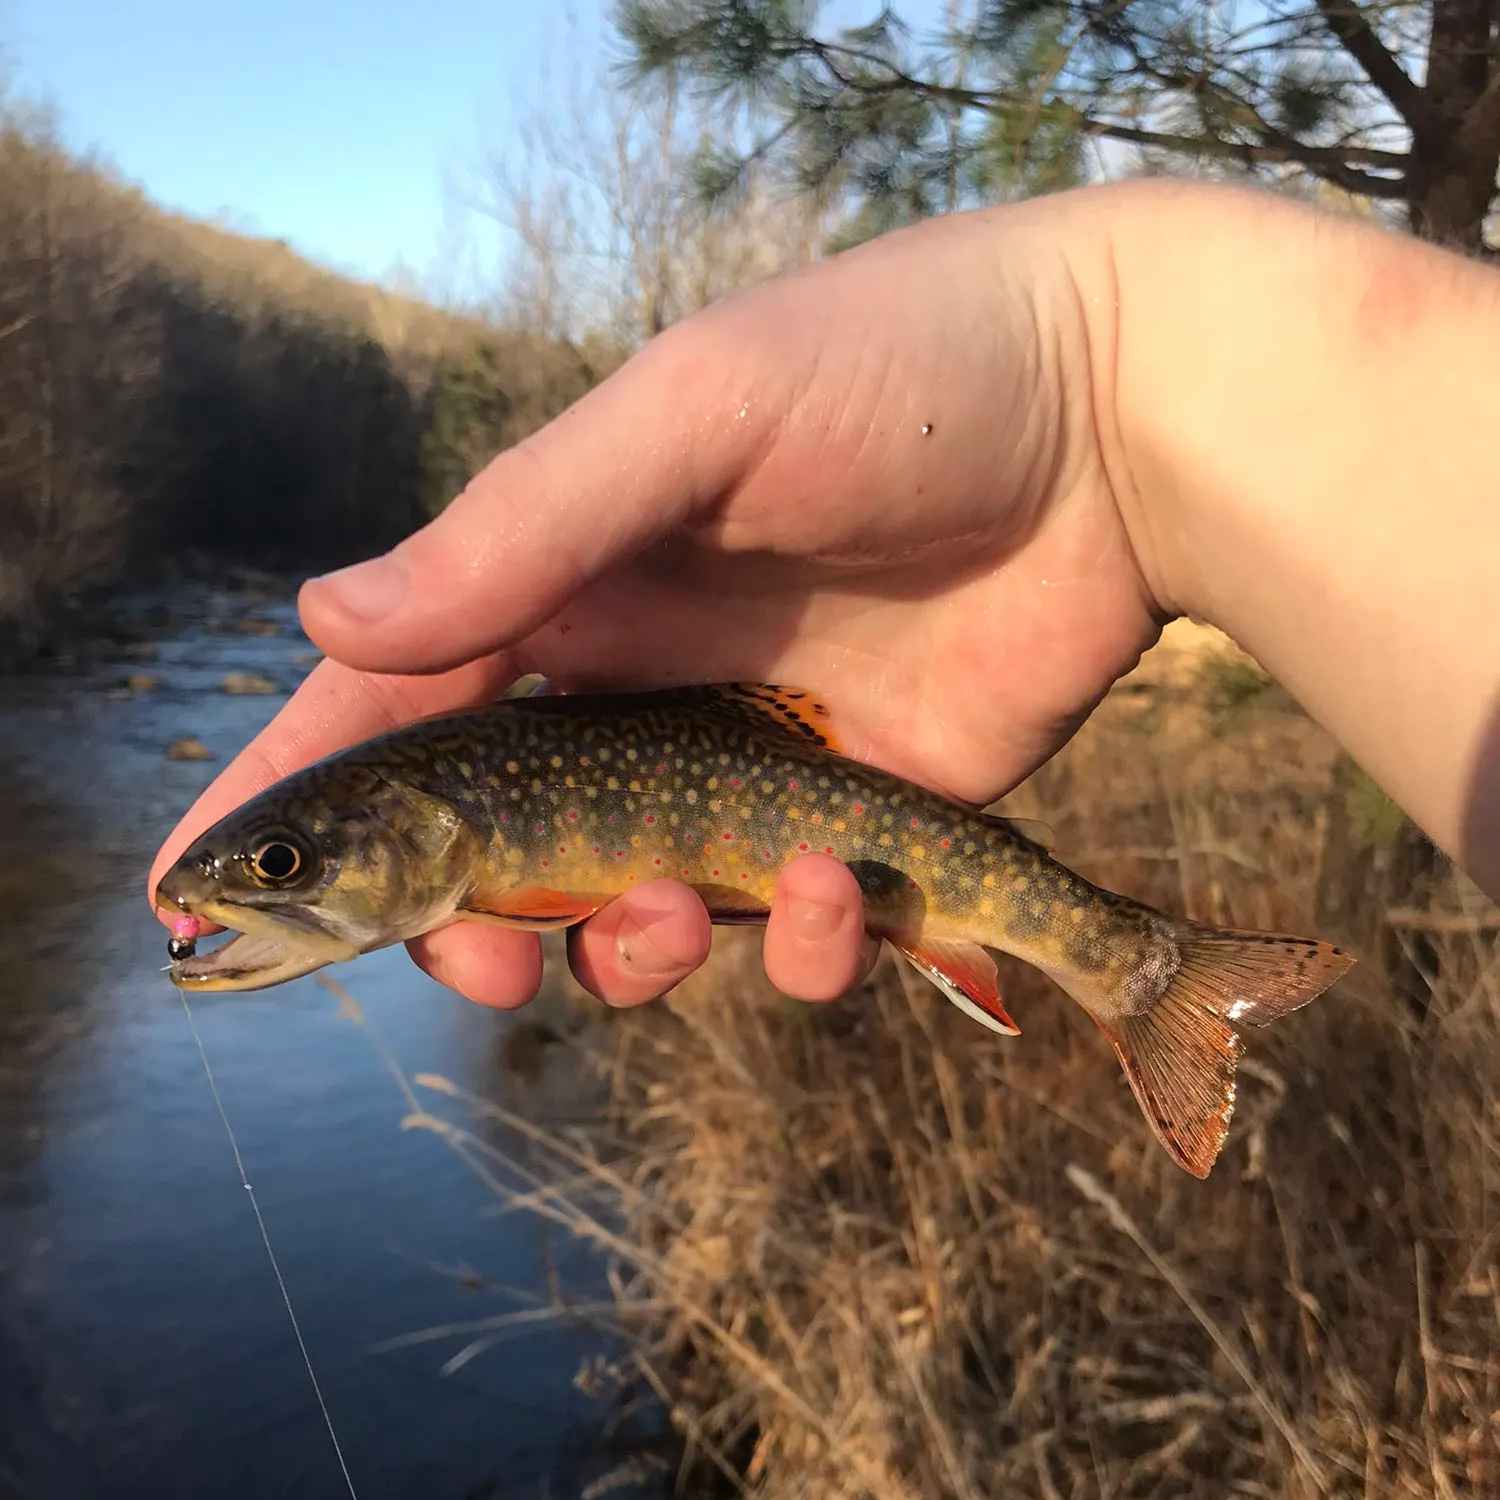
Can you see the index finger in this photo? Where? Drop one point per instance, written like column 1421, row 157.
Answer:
column 335, row 707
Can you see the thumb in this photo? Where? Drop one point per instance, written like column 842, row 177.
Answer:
column 620, row 468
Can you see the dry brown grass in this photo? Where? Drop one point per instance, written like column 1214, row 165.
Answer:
column 870, row 1250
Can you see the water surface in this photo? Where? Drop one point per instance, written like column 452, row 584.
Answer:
column 144, row 1346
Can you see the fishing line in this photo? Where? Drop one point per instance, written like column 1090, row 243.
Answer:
column 266, row 1240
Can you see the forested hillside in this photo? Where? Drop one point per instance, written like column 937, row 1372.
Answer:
column 169, row 389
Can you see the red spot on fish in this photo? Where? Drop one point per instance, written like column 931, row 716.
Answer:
column 619, row 854
column 583, row 760
column 858, row 808
column 562, row 848
column 765, row 854
column 947, row 843
column 656, row 862
column 916, row 823
column 505, row 817
column 546, row 863
column 734, row 781
column 612, row 817
column 661, row 768
column 728, row 837
column 650, row 817
column 802, row 848
column 715, row 874
column 794, row 784
column 573, row 815
column 827, row 848
column 687, row 838
column 596, row 849
column 744, row 874
column 541, row 828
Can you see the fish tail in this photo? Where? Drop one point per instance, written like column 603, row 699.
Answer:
column 1181, row 1055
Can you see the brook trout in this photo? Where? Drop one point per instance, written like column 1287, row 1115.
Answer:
column 535, row 812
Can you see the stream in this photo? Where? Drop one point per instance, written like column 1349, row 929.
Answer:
column 145, row 1350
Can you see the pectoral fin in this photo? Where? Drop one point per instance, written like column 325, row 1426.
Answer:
column 532, row 908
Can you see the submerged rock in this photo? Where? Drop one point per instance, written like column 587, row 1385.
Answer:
column 189, row 747
column 248, row 682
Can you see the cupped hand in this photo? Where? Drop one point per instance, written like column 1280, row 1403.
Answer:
column 887, row 478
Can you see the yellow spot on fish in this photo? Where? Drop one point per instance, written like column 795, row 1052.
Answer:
column 712, row 783
column 556, row 762
column 885, row 839
column 612, row 783
column 633, row 786
column 1020, row 883
column 512, row 767
column 515, row 856
column 990, row 883
column 918, row 851
column 986, row 908
column 768, row 787
column 794, row 813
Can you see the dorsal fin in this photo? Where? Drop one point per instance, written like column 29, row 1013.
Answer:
column 793, row 710
column 1028, row 829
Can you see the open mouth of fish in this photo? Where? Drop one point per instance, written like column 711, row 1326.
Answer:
column 256, row 953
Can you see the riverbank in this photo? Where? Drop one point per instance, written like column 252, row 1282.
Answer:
column 873, row 1251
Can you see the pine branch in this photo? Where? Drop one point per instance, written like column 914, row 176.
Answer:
column 1347, row 21
column 1328, row 162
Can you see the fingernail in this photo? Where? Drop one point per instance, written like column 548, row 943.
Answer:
column 639, row 953
column 369, row 590
column 813, row 921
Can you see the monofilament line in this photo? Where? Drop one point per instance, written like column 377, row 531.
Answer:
column 239, row 1162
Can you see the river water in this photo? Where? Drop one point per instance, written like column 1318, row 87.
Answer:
column 144, row 1346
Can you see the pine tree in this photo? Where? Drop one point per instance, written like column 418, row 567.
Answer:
column 1392, row 102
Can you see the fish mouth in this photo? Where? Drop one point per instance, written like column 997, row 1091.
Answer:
column 260, row 951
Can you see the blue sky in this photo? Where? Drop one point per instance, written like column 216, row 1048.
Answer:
column 328, row 123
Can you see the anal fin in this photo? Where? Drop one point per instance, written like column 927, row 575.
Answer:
column 965, row 973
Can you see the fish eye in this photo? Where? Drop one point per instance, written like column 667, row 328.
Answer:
column 276, row 861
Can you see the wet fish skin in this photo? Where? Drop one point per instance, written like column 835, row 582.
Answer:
column 535, row 812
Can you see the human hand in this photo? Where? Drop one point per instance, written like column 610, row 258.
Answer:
column 887, row 478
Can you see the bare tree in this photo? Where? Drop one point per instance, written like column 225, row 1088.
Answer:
column 611, row 234
column 78, row 358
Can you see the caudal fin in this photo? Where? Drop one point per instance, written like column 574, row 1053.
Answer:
column 1181, row 1056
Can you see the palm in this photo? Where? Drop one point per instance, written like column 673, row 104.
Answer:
column 905, row 514
column 879, row 479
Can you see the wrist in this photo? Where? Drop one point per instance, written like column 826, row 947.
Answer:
column 1257, row 339
column 1306, row 417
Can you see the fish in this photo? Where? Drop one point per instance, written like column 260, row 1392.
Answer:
column 535, row 812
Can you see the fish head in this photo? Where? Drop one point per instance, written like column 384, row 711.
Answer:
column 327, row 864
